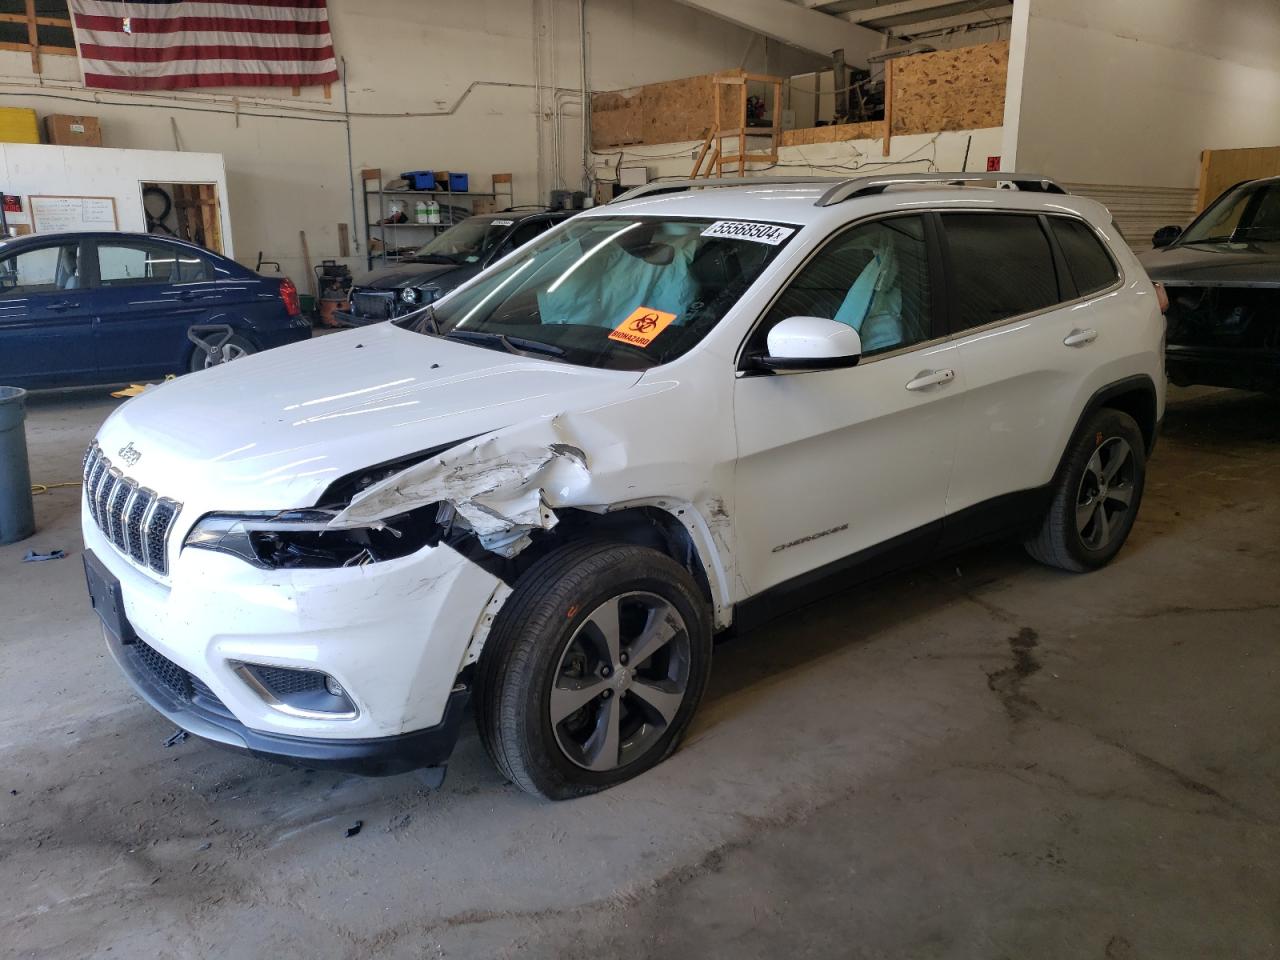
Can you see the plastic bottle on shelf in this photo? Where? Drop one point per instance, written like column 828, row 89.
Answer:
column 422, row 212
column 433, row 211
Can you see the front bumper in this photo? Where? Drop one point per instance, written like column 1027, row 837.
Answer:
column 1244, row 368
column 394, row 634
column 189, row 704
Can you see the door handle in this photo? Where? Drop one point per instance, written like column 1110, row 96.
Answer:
column 64, row 305
column 186, row 295
column 1078, row 337
column 930, row 378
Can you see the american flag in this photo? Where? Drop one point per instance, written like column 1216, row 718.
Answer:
column 167, row 44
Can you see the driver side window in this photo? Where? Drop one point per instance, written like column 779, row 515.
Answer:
column 873, row 277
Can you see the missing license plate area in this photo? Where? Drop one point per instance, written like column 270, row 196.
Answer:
column 107, row 598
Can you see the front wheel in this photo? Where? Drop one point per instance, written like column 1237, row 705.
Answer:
column 1096, row 497
column 593, row 670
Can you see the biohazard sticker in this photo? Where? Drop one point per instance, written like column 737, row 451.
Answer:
column 642, row 326
column 743, row 230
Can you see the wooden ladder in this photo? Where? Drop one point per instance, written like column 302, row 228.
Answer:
column 739, row 127
column 710, row 151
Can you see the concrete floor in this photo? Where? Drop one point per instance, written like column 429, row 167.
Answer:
column 981, row 759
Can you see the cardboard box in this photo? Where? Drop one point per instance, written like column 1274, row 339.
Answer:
column 18, row 125
column 69, row 131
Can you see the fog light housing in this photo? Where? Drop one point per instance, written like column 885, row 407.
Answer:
column 308, row 694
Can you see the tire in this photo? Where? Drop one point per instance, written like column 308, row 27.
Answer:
column 1081, row 530
column 233, row 349
column 547, row 650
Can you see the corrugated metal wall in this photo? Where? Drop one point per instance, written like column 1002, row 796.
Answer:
column 1140, row 211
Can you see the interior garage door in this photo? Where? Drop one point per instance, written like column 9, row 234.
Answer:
column 1140, row 211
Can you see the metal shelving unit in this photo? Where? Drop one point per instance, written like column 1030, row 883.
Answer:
column 412, row 231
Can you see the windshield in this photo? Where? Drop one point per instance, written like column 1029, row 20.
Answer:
column 1250, row 211
column 466, row 242
column 624, row 293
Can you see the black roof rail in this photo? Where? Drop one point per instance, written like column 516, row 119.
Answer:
column 679, row 184
column 867, row 186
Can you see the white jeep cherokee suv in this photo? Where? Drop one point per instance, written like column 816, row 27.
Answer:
column 545, row 493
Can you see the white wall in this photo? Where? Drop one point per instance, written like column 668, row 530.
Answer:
column 1130, row 92
column 411, row 66
column 39, row 169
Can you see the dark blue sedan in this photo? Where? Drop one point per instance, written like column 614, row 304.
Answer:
column 80, row 308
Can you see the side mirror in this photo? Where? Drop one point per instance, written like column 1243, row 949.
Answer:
column 1165, row 236
column 811, row 343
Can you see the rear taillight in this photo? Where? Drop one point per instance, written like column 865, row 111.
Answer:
column 1162, row 298
column 289, row 294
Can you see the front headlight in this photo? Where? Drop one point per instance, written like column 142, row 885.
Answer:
column 409, row 295
column 303, row 538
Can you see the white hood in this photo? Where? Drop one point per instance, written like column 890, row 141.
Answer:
column 273, row 430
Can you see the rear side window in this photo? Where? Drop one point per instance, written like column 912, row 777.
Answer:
column 1001, row 266
column 1091, row 266
column 128, row 263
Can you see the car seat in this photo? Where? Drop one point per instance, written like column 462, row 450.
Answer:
column 67, row 276
column 873, row 305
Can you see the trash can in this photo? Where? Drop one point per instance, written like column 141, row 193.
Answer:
column 17, row 513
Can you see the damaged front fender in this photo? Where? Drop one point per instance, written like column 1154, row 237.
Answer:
column 635, row 448
column 497, row 486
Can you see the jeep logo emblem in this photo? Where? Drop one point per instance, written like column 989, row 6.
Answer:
column 130, row 454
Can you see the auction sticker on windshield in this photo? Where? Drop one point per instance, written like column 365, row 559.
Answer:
column 743, row 230
column 642, row 326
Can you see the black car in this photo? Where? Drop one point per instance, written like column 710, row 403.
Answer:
column 454, row 256
column 1222, row 276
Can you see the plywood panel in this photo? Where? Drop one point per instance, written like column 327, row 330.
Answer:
column 1221, row 169
column 961, row 89
column 667, row 112
column 831, row 133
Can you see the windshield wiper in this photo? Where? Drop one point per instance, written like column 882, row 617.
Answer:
column 520, row 346
column 419, row 321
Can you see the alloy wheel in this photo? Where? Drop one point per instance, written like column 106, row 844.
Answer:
column 1105, row 494
column 620, row 681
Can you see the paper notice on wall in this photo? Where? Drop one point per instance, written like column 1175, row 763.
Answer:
column 68, row 214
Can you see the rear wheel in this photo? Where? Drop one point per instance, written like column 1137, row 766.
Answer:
column 593, row 670
column 233, row 349
column 1097, row 495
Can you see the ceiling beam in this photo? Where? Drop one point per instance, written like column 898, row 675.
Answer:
column 796, row 26
column 885, row 10
column 922, row 27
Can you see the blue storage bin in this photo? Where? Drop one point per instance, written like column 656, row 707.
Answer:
column 420, row 179
column 458, row 182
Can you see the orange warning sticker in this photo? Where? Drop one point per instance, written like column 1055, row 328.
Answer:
column 642, row 326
